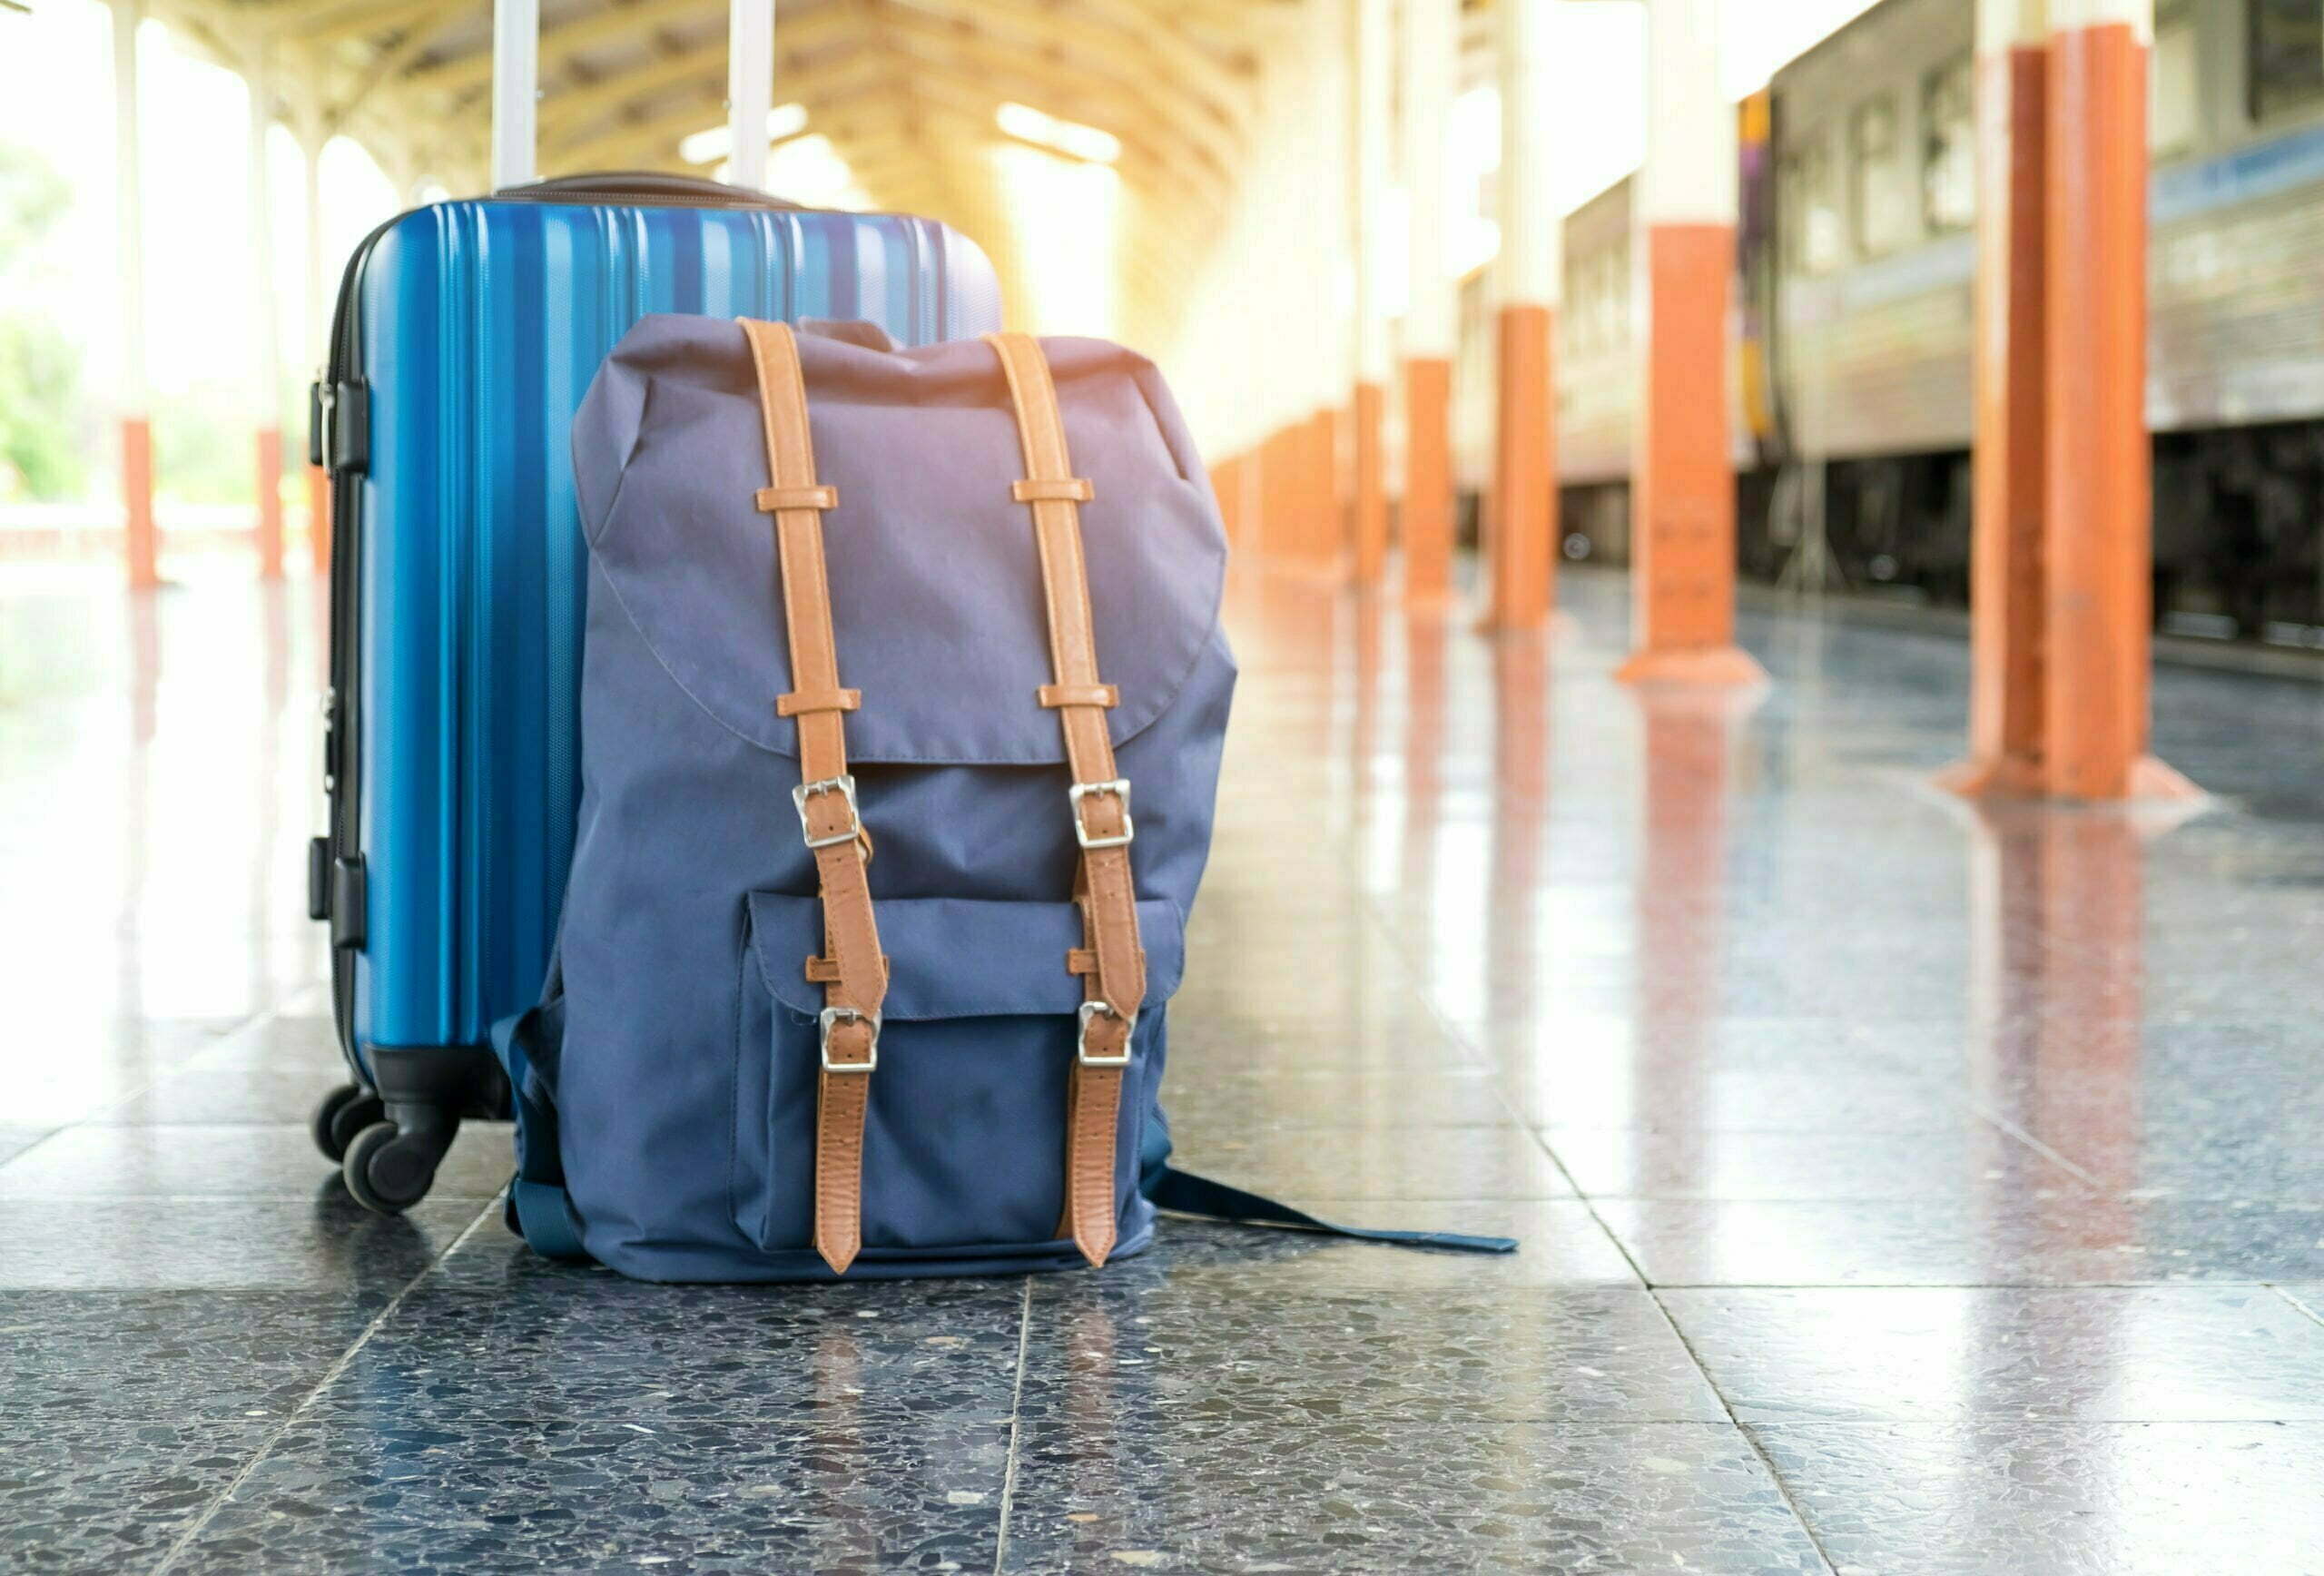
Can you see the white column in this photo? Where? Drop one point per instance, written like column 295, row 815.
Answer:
column 1531, row 269
column 1375, row 106
column 749, row 90
column 1689, row 177
column 1431, row 32
column 129, row 209
column 266, row 308
column 2138, row 15
column 2007, row 24
column 1323, row 156
column 266, row 340
column 515, row 90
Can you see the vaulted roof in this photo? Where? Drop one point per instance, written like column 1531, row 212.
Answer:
column 906, row 91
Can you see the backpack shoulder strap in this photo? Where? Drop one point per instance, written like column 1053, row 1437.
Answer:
column 1097, row 800
column 825, row 797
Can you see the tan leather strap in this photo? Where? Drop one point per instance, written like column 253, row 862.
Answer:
column 849, row 1028
column 1116, row 985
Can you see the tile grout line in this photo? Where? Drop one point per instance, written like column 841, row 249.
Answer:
column 2315, row 1314
column 2031, row 1142
column 330, row 1376
column 1758, row 1450
column 1016, row 1404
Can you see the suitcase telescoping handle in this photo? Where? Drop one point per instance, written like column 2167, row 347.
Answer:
column 516, row 91
column 640, row 186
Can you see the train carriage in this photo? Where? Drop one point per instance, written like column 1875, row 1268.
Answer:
column 1854, row 317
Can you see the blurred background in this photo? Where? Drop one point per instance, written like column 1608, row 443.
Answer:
column 1143, row 169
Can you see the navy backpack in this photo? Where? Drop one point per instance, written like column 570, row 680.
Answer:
column 867, row 944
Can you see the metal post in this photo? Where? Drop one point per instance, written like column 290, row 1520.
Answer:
column 1430, row 44
column 266, row 306
column 2097, row 521
column 2006, row 545
column 515, row 89
column 1528, row 275
column 1682, row 535
column 1374, row 23
column 317, row 305
column 749, row 90
column 140, row 537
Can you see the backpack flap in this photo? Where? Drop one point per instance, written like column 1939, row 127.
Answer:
column 935, row 582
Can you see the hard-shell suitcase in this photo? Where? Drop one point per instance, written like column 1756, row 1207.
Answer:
column 464, row 336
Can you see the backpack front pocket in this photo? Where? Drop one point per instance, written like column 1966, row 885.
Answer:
column 964, row 1142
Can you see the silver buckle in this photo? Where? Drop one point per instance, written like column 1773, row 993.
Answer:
column 832, row 1015
column 842, row 786
column 1119, row 787
column 1088, row 1010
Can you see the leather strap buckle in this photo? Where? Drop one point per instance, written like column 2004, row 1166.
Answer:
column 832, row 1016
column 843, row 785
column 1119, row 788
column 1089, row 1012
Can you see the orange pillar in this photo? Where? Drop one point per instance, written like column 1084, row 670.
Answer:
column 2097, row 591
column 270, row 503
column 318, row 517
column 1525, row 501
column 1370, row 486
column 1323, row 491
column 1427, row 517
column 1682, row 538
column 141, row 539
column 2006, row 593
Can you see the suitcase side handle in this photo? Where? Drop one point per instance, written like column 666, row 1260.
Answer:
column 638, row 185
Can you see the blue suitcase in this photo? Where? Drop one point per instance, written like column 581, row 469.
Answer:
column 464, row 336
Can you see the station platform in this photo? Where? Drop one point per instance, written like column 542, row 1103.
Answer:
column 1903, row 1185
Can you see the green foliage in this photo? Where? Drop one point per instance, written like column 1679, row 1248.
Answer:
column 40, row 447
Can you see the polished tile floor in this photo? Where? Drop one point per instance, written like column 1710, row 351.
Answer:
column 1903, row 1188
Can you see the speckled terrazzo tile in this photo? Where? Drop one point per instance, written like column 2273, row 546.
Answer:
column 1669, row 1090
column 174, row 1354
column 327, row 1243
column 1386, row 1164
column 1233, row 1029
column 596, row 1345
column 1104, row 1491
column 845, row 1491
column 1238, row 1100
column 1558, row 1244
column 240, row 1091
column 282, row 1039
column 2062, row 1499
column 104, row 1495
column 2090, row 1353
column 1970, row 1157
column 98, row 1161
column 1225, row 1344
column 1994, row 1240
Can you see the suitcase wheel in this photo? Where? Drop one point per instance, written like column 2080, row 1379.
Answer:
column 389, row 1170
column 341, row 1114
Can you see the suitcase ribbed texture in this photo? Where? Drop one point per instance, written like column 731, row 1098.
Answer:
column 479, row 327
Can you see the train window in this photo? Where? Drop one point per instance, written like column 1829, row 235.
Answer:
column 1949, row 145
column 2286, row 55
column 1816, row 234
column 2174, row 86
column 1883, row 183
